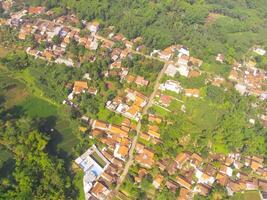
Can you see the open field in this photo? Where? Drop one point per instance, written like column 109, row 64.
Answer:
column 23, row 97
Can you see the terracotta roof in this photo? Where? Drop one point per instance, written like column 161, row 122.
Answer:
column 192, row 92
column 181, row 158
column 196, row 159
column 36, row 10
column 107, row 177
column 203, row 189
column 123, row 151
column 194, row 73
column 141, row 81
column 80, row 86
column 183, row 195
column 263, row 185
column 183, row 182
column 98, row 189
column 144, row 136
column 97, row 124
column 97, row 132
column 255, row 165
column 222, row 179
column 113, row 129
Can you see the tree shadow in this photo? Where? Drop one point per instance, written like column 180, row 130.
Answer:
column 48, row 125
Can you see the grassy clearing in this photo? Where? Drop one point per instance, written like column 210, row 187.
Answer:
column 108, row 116
column 36, row 107
column 78, row 182
column 25, row 77
column 247, row 195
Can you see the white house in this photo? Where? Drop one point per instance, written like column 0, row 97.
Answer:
column 183, row 70
column 260, row 51
column 171, row 85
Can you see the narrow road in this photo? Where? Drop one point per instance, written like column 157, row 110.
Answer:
column 138, row 130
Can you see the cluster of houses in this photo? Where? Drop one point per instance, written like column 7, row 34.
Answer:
column 130, row 105
column 104, row 171
column 94, row 164
column 196, row 175
column 249, row 79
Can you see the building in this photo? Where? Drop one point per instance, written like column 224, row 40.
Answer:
column 93, row 163
column 140, row 81
column 157, row 181
column 192, row 93
column 183, row 182
column 171, row 70
column 100, row 191
column 80, row 87
column 171, row 85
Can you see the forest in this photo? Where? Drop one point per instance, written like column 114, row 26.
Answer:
column 208, row 27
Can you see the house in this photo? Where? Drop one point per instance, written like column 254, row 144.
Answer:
column 97, row 124
column 183, row 70
column 165, row 100
column 145, row 136
column 196, row 160
column 154, row 118
column 153, row 132
column 116, row 130
column 204, row 177
column 220, row 58
column 218, row 81
column 171, row 70
column 260, row 51
column 242, row 89
column 226, row 170
column 141, row 173
column 184, row 194
column 222, row 179
column 192, row 93
column 166, row 54
column 194, row 74
column 235, row 186
column 202, row 189
column 233, row 75
column 140, row 81
column 144, row 156
column 183, row 51
column 195, row 62
column 93, row 163
column 157, row 181
column 100, row 191
column 183, row 60
column 182, row 181
column 68, row 62
column 93, row 26
column 263, row 185
column 181, row 158
column 171, row 85
column 128, row 44
column 80, row 87
column 36, row 10
column 121, row 152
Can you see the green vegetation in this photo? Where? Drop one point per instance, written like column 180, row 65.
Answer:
column 99, row 160
column 247, row 196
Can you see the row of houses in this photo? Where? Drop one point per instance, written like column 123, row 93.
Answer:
column 103, row 167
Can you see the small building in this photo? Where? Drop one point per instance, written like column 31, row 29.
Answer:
column 220, row 58
column 192, row 93
column 80, row 87
column 157, row 181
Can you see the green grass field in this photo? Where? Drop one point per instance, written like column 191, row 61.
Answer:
column 247, row 195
